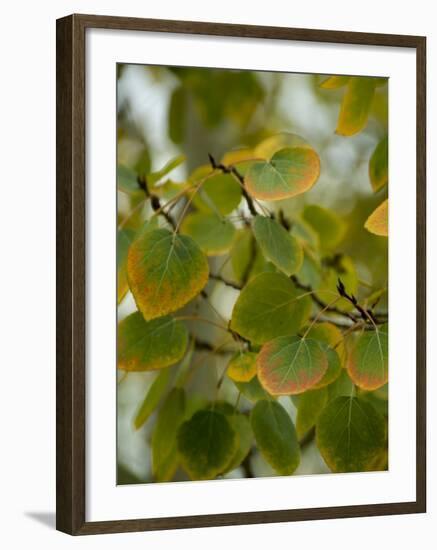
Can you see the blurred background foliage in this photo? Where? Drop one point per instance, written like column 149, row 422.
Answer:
column 166, row 112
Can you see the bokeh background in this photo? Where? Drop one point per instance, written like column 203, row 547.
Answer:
column 166, row 111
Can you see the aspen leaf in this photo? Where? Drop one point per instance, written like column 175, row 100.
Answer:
column 378, row 165
column 329, row 337
column 152, row 398
column 290, row 365
column 377, row 222
column 368, row 359
column 311, row 404
column 213, row 234
column 164, row 439
column 335, row 82
column 276, row 437
column 289, row 172
column 220, row 194
column 355, row 107
column 350, row 434
column 242, row 367
column 269, row 306
column 252, row 390
column 207, row 443
column 277, row 245
column 329, row 227
column 149, row 345
column 165, row 271
column 124, row 239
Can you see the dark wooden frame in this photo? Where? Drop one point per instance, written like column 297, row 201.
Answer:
column 70, row 300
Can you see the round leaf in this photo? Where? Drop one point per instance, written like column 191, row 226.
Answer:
column 276, row 437
column 288, row 173
column 378, row 165
column 290, row 365
column 377, row 222
column 165, row 271
column 368, row 360
column 277, row 245
column 213, row 234
column 220, row 194
column 207, row 443
column 242, row 367
column 149, row 345
column 269, row 306
column 351, row 435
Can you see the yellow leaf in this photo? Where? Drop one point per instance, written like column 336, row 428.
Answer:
column 377, row 222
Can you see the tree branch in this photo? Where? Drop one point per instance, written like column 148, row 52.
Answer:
column 232, row 170
column 154, row 200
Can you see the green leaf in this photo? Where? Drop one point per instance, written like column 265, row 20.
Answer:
column 335, row 267
column 290, row 365
column 334, row 82
column 242, row 251
column 165, row 271
column 356, row 105
column 124, row 239
column 241, row 425
column 152, row 398
column 242, row 367
column 342, row 386
column 220, row 194
column 378, row 165
column 252, row 390
column 377, row 222
column 311, row 404
column 288, row 173
column 271, row 145
column 207, row 443
column 164, row 440
column 177, row 115
column 155, row 177
column 213, row 234
column 269, row 306
column 331, row 339
column 278, row 245
column 350, row 435
column 276, row 436
column 142, row 165
column 368, row 360
column 329, row 227
column 149, row 345
column 127, row 180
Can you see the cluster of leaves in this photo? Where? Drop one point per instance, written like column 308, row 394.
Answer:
column 297, row 329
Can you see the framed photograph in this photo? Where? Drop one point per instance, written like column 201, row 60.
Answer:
column 240, row 274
